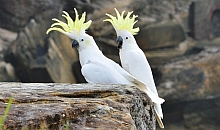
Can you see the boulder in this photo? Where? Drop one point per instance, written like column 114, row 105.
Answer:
column 16, row 14
column 186, row 71
column 6, row 69
column 193, row 75
column 7, row 72
column 37, row 57
column 190, row 87
column 84, row 106
column 204, row 19
column 76, row 69
column 6, row 38
column 34, row 53
column 164, row 35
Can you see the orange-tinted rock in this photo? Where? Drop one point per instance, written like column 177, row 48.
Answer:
column 85, row 106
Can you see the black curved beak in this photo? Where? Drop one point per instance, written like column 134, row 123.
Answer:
column 75, row 44
column 119, row 41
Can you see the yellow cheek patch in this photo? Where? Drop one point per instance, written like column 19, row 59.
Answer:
column 121, row 23
column 77, row 25
column 87, row 42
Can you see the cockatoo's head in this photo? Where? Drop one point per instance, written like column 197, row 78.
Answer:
column 73, row 29
column 123, row 27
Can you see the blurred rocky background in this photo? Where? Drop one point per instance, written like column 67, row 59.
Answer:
column 181, row 39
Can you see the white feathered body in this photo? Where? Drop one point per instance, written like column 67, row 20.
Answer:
column 96, row 68
column 135, row 62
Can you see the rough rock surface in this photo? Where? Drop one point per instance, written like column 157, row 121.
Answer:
column 166, row 34
column 191, row 90
column 38, row 58
column 6, row 69
column 193, row 76
column 204, row 23
column 6, row 72
column 85, row 106
column 179, row 37
column 17, row 14
column 34, row 53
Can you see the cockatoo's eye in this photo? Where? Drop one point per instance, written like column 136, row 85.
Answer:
column 126, row 37
column 82, row 40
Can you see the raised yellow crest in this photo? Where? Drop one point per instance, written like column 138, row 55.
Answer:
column 77, row 25
column 121, row 23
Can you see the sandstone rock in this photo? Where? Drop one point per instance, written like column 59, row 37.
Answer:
column 6, row 72
column 191, row 88
column 199, row 114
column 193, row 75
column 6, row 38
column 6, row 69
column 186, row 82
column 51, row 55
column 150, row 14
column 161, row 56
column 7, row 35
column 204, row 19
column 163, row 35
column 202, row 114
column 16, row 14
column 37, row 57
column 76, row 69
column 86, row 106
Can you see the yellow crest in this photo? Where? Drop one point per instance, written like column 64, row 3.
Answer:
column 121, row 23
column 77, row 25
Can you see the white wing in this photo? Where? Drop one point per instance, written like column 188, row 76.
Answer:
column 140, row 84
column 97, row 72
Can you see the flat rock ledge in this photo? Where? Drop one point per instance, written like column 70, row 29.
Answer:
column 83, row 106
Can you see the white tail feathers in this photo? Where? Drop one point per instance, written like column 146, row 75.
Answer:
column 159, row 120
column 142, row 86
column 157, row 107
column 154, row 98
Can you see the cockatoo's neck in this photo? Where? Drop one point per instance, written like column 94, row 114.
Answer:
column 89, row 45
column 129, row 46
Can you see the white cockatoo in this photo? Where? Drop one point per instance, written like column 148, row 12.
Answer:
column 132, row 58
column 96, row 68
